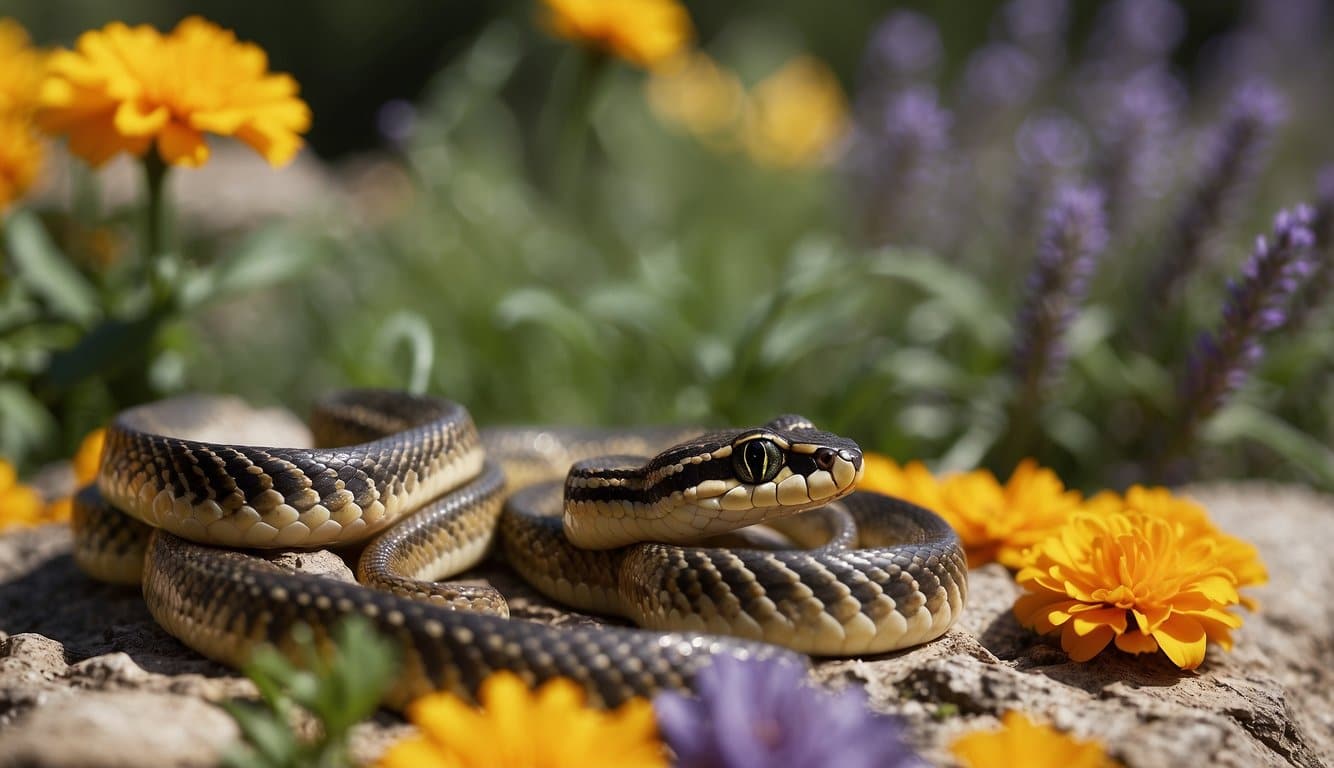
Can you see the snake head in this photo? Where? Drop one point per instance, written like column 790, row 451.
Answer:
column 716, row 483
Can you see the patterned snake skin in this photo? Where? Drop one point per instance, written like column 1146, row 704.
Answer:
column 413, row 476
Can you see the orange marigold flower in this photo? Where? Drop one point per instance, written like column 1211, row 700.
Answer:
column 1238, row 556
column 995, row 522
column 20, row 505
column 1020, row 741
column 698, row 94
column 21, row 70
column 794, row 116
column 86, row 462
column 20, row 158
column 643, row 32
column 124, row 89
column 517, row 727
column 1133, row 578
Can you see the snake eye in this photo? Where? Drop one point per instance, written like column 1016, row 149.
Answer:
column 757, row 461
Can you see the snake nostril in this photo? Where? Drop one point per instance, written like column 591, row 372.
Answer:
column 824, row 458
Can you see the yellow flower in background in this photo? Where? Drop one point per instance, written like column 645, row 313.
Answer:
column 912, row 482
column 1133, row 578
column 85, row 465
column 128, row 89
column 21, row 155
column 795, row 116
column 1238, row 556
column 20, row 505
column 21, row 70
column 995, row 522
column 645, row 33
column 1021, row 742
column 519, row 728
column 694, row 92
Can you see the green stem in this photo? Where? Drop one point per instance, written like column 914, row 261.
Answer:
column 572, row 144
column 155, row 236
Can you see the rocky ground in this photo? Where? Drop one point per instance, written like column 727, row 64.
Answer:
column 87, row 678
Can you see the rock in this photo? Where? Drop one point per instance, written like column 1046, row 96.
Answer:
column 87, row 678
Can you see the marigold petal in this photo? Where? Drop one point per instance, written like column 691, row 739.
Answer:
column 1136, row 641
column 1084, row 647
column 417, row 752
column 1183, row 640
column 181, row 145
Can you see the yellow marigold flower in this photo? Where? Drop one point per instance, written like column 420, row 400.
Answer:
column 643, row 32
column 518, row 728
column 1021, row 742
column 86, row 462
column 912, row 482
column 20, row 505
column 124, row 89
column 1134, row 578
column 21, row 70
column 694, row 92
column 20, row 158
column 1238, row 556
column 794, row 116
column 995, row 522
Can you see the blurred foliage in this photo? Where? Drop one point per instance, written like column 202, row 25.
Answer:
column 681, row 282
column 338, row 687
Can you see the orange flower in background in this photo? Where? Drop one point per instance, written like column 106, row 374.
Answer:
column 696, row 93
column 20, row 505
column 645, row 33
column 21, row 70
column 1131, row 578
column 20, row 158
column 995, row 522
column 1021, row 742
column 796, row 115
column 517, row 727
column 127, row 89
column 86, row 462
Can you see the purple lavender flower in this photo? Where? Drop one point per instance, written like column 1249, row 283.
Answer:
column 1136, row 119
column 1128, row 34
column 1256, row 305
column 905, row 45
column 1037, row 26
column 1074, row 237
column 1234, row 159
column 899, row 163
column 752, row 714
column 1320, row 285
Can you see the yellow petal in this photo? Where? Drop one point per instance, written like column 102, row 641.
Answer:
column 1136, row 641
column 1183, row 640
column 1086, row 646
column 180, row 145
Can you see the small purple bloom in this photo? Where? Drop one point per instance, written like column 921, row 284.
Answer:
column 898, row 162
column 763, row 714
column 1137, row 119
column 1133, row 33
column 904, row 45
column 1256, row 305
column 1038, row 26
column 1320, row 285
column 1233, row 160
column 1074, row 237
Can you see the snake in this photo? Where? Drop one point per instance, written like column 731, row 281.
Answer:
column 751, row 543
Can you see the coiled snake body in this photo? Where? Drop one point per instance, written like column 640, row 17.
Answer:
column 414, row 477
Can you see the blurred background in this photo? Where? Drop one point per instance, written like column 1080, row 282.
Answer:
column 841, row 212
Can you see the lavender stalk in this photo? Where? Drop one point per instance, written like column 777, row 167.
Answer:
column 1237, row 155
column 1320, row 285
column 1257, row 304
column 1075, row 235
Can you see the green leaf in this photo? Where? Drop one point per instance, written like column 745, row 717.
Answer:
column 965, row 296
column 25, row 424
column 1244, row 421
column 266, row 259
column 46, row 272
column 111, row 347
column 272, row 742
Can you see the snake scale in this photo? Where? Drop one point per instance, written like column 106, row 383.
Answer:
column 413, row 476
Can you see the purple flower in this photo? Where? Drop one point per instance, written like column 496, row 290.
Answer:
column 1256, row 305
column 1074, row 236
column 1232, row 162
column 750, row 714
column 905, row 45
column 1320, row 285
column 1136, row 119
column 1038, row 26
column 1128, row 34
column 897, row 162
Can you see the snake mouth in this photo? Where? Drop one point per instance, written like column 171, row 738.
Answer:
column 833, row 474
